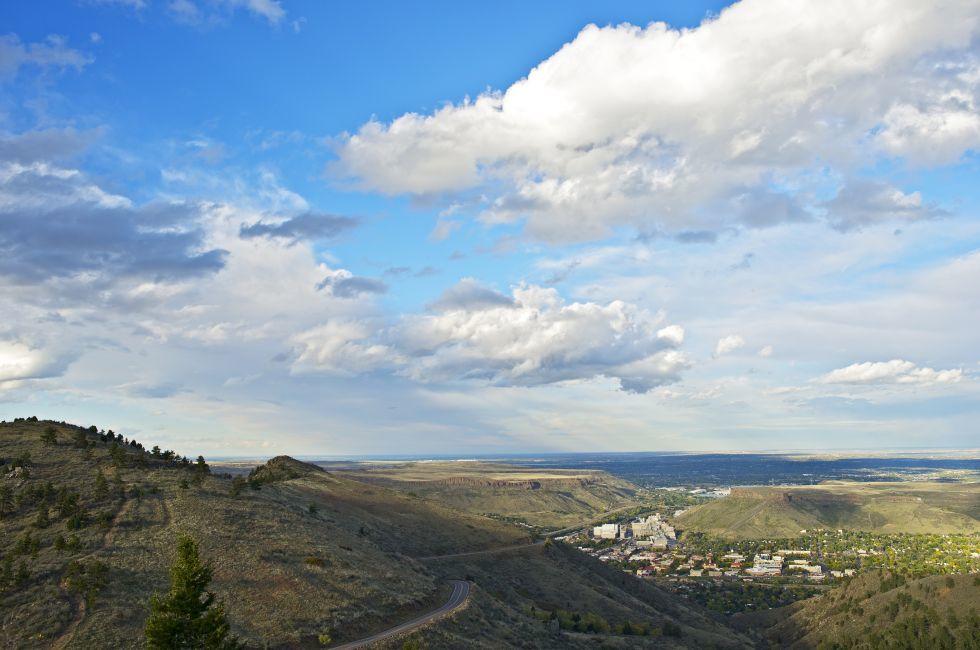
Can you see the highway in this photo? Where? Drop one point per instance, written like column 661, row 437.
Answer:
column 461, row 591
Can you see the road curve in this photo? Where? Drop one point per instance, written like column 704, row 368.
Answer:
column 461, row 591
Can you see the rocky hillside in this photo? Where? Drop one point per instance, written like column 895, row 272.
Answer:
column 282, row 468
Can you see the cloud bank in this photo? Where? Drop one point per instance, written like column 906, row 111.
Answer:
column 740, row 121
column 531, row 338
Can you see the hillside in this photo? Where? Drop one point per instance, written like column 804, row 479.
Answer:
column 282, row 468
column 912, row 507
column 878, row 610
column 548, row 498
column 293, row 558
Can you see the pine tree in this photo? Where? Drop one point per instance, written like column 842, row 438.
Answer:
column 6, row 499
column 49, row 436
column 117, row 454
column 201, row 465
column 188, row 616
column 43, row 519
column 101, row 485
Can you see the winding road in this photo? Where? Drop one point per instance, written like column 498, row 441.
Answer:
column 461, row 591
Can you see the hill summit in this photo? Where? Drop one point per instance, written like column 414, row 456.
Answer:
column 282, row 468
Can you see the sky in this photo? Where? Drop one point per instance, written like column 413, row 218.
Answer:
column 247, row 227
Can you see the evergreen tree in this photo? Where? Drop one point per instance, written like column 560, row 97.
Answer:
column 49, row 436
column 188, row 616
column 42, row 520
column 101, row 485
column 6, row 499
column 237, row 485
column 81, row 439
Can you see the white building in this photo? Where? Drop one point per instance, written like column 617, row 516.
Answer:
column 765, row 564
column 606, row 531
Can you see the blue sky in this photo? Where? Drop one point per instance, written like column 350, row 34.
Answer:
column 259, row 225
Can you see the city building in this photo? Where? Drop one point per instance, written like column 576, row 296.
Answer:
column 606, row 531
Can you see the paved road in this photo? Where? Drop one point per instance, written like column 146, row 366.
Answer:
column 489, row 551
column 461, row 591
column 588, row 523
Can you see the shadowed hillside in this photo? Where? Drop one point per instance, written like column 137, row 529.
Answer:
column 874, row 507
column 88, row 521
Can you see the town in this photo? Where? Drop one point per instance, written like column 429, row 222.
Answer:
column 648, row 547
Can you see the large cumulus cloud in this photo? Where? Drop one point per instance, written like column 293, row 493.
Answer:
column 736, row 121
column 530, row 338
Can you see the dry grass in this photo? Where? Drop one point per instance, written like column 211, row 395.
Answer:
column 912, row 507
column 549, row 499
column 284, row 572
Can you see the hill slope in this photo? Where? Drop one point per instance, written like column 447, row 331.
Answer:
column 914, row 507
column 878, row 610
column 293, row 559
column 549, row 498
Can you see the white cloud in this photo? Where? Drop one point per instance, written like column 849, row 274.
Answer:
column 53, row 52
column 865, row 203
column 271, row 10
column 766, row 352
column 531, row 338
column 675, row 128
column 896, row 371
column 19, row 361
column 728, row 344
column 535, row 338
column 341, row 347
column 133, row 4
column 939, row 130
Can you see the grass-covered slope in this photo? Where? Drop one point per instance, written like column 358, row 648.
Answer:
column 517, row 592
column 878, row 610
column 282, row 572
column 550, row 499
column 293, row 557
column 914, row 507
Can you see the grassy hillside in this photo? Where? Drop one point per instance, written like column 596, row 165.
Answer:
column 549, row 499
column 518, row 590
column 878, row 610
column 296, row 552
column 913, row 507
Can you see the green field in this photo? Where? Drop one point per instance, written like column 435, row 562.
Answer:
column 912, row 507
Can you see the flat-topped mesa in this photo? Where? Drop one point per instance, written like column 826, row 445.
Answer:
column 519, row 483
column 283, row 468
